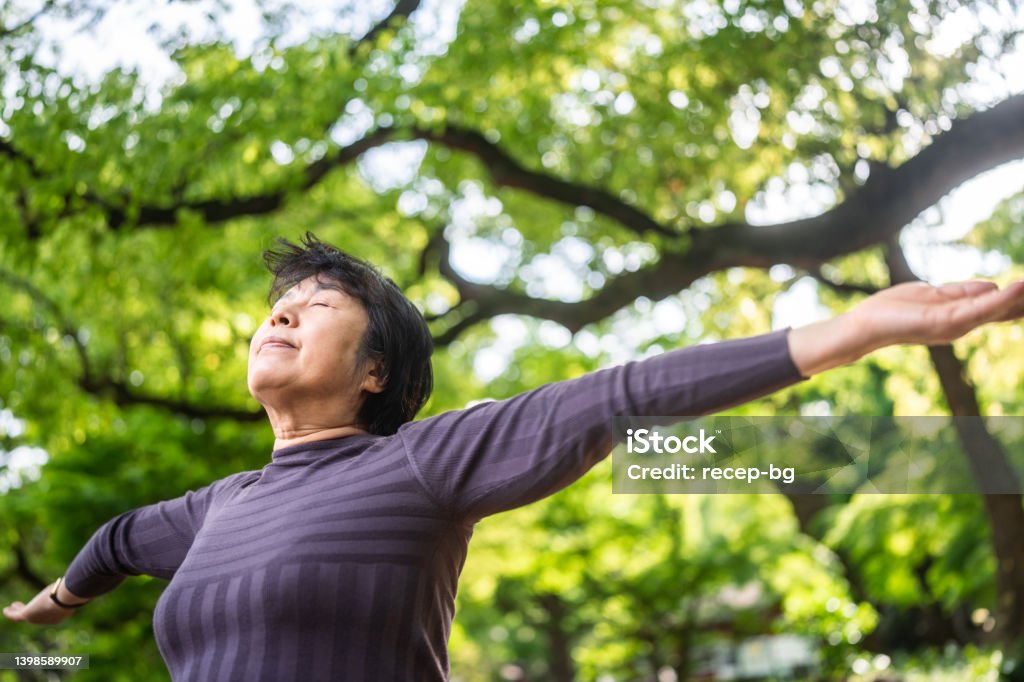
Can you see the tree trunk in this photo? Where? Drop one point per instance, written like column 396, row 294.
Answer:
column 561, row 667
column 992, row 472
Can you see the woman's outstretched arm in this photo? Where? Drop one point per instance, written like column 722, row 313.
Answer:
column 499, row 455
column 150, row 540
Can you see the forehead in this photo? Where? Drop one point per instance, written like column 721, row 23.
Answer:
column 312, row 285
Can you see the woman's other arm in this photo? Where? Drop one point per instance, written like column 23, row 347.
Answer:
column 150, row 540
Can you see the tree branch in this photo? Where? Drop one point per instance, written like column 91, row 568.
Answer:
column 122, row 395
column 211, row 210
column 890, row 199
column 842, row 287
column 221, row 210
column 6, row 31
column 111, row 388
column 67, row 329
column 22, row 567
column 507, row 172
column 402, row 10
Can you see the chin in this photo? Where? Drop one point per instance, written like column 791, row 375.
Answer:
column 262, row 383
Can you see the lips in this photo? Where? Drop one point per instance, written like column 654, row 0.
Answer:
column 275, row 341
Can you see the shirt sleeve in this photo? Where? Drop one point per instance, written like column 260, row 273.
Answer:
column 150, row 540
column 499, row 455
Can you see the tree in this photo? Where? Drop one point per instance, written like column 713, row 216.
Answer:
column 632, row 147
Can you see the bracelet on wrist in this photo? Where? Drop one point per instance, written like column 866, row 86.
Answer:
column 58, row 602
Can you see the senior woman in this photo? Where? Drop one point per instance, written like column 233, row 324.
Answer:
column 339, row 559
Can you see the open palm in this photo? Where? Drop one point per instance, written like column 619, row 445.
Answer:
column 917, row 312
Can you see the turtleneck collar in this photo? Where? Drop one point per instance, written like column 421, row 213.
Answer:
column 307, row 453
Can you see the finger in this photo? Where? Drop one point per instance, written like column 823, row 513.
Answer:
column 966, row 313
column 13, row 612
column 1014, row 292
column 946, row 293
column 1010, row 306
column 974, row 287
column 1006, row 304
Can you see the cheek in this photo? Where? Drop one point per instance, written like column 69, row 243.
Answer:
column 330, row 362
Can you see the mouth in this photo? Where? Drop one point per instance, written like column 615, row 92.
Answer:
column 274, row 342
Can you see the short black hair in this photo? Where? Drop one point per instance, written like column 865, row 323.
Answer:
column 396, row 333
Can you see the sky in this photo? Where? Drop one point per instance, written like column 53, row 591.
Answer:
column 129, row 36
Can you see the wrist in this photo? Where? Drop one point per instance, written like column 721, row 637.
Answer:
column 868, row 337
column 829, row 343
column 64, row 598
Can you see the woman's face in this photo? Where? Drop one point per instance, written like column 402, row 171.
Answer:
column 307, row 348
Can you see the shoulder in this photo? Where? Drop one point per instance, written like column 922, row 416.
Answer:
column 237, row 480
column 227, row 485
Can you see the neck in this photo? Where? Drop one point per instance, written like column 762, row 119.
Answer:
column 299, row 436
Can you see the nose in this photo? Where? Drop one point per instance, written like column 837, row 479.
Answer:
column 282, row 317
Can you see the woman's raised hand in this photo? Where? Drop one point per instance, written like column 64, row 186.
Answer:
column 917, row 312
column 913, row 312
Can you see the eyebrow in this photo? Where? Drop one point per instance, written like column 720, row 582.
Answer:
column 320, row 286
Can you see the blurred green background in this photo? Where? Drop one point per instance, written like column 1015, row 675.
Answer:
column 559, row 187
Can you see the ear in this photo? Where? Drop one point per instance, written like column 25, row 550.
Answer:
column 374, row 381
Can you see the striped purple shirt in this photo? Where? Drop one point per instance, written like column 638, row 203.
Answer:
column 340, row 558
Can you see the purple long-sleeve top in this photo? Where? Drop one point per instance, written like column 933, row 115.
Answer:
column 339, row 560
